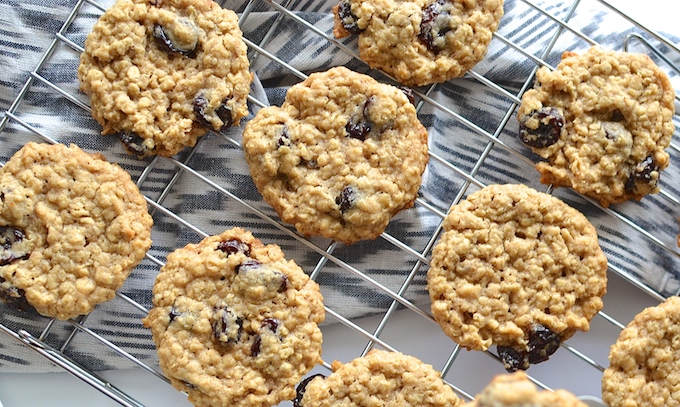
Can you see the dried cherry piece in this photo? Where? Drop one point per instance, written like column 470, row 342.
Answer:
column 642, row 173
column 409, row 94
column 271, row 324
column 436, row 22
column 284, row 137
column 360, row 126
column 174, row 313
column 134, row 144
column 166, row 40
column 224, row 113
column 201, row 103
column 346, row 199
column 549, row 129
column 255, row 347
column 513, row 360
column 13, row 296
column 247, row 265
column 542, row 343
column 234, row 246
column 358, row 129
column 302, row 388
column 202, row 111
column 349, row 20
column 227, row 326
column 284, row 283
column 10, row 236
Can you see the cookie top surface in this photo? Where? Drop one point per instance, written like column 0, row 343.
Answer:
column 160, row 73
column 602, row 121
column 340, row 157
column 72, row 228
column 380, row 378
column 420, row 42
column 516, row 268
column 643, row 363
column 234, row 322
column 516, row 390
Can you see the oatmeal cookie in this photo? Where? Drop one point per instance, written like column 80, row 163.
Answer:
column 602, row 120
column 234, row 322
column 380, row 378
column 516, row 268
column 161, row 73
column 516, row 390
column 643, row 363
column 340, row 157
column 420, row 42
column 72, row 228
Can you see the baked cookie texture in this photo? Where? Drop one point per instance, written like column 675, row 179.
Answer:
column 340, row 157
column 516, row 268
column 381, row 378
column 516, row 390
column 420, row 42
column 602, row 121
column 72, row 228
column 643, row 363
column 160, row 73
column 234, row 322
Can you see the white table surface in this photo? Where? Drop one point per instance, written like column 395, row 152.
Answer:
column 622, row 301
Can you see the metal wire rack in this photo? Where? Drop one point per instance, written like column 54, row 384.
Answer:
column 58, row 342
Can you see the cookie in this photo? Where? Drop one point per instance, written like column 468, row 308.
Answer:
column 420, row 42
column 161, row 73
column 234, row 322
column 516, row 390
column 602, row 121
column 340, row 157
column 380, row 378
column 516, row 268
column 643, row 363
column 72, row 228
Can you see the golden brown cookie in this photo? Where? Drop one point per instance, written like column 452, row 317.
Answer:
column 602, row 121
column 420, row 42
column 161, row 73
column 643, row 363
column 516, row 268
column 516, row 390
column 381, row 378
column 340, row 157
column 234, row 322
column 72, row 228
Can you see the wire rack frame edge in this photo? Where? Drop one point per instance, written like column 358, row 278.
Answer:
column 373, row 334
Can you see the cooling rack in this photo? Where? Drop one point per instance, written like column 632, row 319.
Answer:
column 378, row 298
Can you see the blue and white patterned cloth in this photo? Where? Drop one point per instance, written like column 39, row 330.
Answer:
column 462, row 117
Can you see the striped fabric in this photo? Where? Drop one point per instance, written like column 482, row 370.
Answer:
column 473, row 142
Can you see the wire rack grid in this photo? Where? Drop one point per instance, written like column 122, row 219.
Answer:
column 487, row 141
